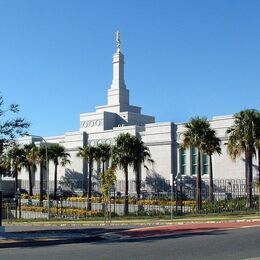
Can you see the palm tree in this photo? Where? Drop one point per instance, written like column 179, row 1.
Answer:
column 58, row 155
column 5, row 164
column 195, row 136
column 16, row 158
column 42, row 162
column 103, row 154
column 210, row 146
column 258, row 155
column 243, row 137
column 123, row 156
column 88, row 154
column 258, row 150
column 29, row 162
column 141, row 156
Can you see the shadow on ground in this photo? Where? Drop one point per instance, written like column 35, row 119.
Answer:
column 102, row 236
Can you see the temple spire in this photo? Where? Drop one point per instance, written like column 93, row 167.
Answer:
column 118, row 81
column 118, row 41
column 118, row 94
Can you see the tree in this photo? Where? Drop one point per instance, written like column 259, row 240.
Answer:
column 88, row 154
column 10, row 128
column 123, row 156
column 141, row 156
column 210, row 146
column 5, row 164
column 29, row 162
column 243, row 138
column 258, row 155
column 58, row 155
column 42, row 162
column 103, row 154
column 16, row 157
column 258, row 150
column 194, row 135
column 108, row 179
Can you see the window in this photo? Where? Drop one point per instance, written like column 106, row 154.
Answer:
column 194, row 155
column 183, row 161
column 205, row 164
column 194, row 159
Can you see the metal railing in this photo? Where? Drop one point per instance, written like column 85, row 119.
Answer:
column 228, row 196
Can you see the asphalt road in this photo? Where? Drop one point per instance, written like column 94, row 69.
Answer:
column 240, row 243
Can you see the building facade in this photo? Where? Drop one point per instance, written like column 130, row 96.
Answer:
column 163, row 139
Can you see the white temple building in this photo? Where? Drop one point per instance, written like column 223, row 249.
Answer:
column 119, row 116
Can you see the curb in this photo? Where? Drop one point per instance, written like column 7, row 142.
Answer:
column 118, row 224
column 166, row 222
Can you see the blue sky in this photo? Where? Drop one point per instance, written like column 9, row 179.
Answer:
column 182, row 58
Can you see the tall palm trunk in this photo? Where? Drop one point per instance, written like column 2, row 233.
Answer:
column 16, row 188
column 249, row 178
column 126, row 190
column 41, row 182
column 211, row 196
column 198, row 184
column 105, row 202
column 30, row 181
column 138, row 182
column 55, row 181
column 103, row 166
column 90, row 184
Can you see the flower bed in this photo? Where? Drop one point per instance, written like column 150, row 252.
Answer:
column 65, row 211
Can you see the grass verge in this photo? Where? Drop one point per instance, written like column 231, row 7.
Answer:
column 135, row 220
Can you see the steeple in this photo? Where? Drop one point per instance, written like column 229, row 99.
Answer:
column 117, row 111
column 118, row 42
column 118, row 95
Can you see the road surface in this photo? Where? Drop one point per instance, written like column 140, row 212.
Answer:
column 206, row 243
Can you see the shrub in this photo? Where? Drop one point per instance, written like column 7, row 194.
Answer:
column 34, row 209
column 24, row 195
column 74, row 212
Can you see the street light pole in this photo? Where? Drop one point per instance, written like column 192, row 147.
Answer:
column 47, row 171
column 172, row 182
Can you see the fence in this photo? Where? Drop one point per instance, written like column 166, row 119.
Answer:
column 229, row 196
